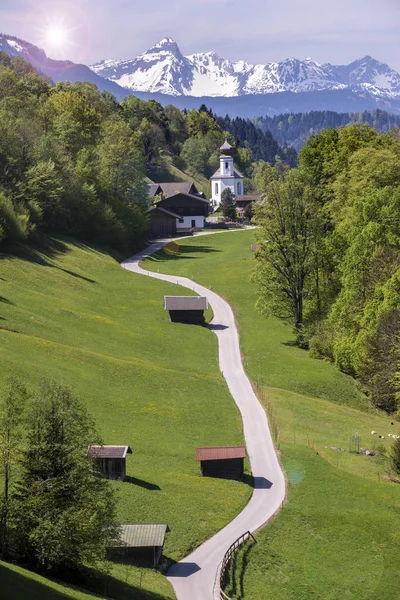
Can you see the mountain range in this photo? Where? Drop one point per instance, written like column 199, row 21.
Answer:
column 238, row 89
column 164, row 69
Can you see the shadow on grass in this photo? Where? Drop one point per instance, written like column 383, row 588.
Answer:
column 139, row 482
column 6, row 301
column 17, row 586
column 162, row 255
column 43, row 249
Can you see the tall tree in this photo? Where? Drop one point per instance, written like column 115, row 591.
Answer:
column 289, row 223
column 11, row 411
column 227, row 204
column 63, row 517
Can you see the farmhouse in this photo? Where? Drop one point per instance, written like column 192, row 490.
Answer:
column 170, row 189
column 224, row 462
column 242, row 202
column 226, row 176
column 110, row 460
column 163, row 222
column 142, row 541
column 186, row 309
column 192, row 210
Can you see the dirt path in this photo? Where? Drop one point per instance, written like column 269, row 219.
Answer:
column 195, row 577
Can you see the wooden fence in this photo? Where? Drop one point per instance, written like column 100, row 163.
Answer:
column 226, row 560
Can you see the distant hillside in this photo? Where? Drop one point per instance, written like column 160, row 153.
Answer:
column 295, row 129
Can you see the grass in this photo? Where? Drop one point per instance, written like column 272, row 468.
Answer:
column 70, row 312
column 337, row 536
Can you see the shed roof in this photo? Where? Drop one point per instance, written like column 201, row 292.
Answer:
column 185, row 303
column 220, row 452
column 165, row 211
column 143, row 535
column 108, row 451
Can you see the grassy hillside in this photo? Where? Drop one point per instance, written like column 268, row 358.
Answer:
column 342, row 515
column 71, row 312
column 173, row 173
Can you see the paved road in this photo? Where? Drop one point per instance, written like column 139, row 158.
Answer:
column 194, row 577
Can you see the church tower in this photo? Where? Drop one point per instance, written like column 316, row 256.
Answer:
column 226, row 176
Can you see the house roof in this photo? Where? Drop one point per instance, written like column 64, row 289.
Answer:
column 153, row 189
column 108, row 451
column 218, row 175
column 143, row 535
column 220, row 452
column 189, row 196
column 164, row 210
column 170, row 188
column 185, row 303
column 248, row 198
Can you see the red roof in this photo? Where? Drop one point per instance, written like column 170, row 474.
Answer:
column 108, row 451
column 220, row 452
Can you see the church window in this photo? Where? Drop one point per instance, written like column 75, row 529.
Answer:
column 216, row 188
column 239, row 189
column 226, row 166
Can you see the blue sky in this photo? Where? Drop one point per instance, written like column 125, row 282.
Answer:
column 258, row 31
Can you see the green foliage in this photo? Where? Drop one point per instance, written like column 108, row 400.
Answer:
column 355, row 173
column 227, row 205
column 395, row 456
column 287, row 256
column 62, row 517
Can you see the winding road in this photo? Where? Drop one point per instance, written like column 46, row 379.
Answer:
column 195, row 577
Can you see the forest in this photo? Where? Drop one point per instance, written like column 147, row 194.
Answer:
column 75, row 161
column 328, row 253
column 295, row 129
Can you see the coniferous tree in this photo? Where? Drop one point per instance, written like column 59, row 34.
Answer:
column 227, row 204
column 63, row 517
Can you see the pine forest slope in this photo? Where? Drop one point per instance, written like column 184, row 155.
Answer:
column 69, row 312
column 342, row 514
column 295, row 129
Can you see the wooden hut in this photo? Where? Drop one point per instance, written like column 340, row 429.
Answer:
column 186, row 309
column 142, row 542
column 192, row 210
column 224, row 462
column 163, row 222
column 110, row 460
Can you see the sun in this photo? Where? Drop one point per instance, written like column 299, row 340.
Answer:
column 57, row 36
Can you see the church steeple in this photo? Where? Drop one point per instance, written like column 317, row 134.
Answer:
column 226, row 160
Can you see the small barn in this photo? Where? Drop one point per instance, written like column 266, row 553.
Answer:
column 163, row 222
column 186, row 309
column 142, row 542
column 110, row 460
column 224, row 462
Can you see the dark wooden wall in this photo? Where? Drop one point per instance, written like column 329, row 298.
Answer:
column 231, row 468
column 191, row 317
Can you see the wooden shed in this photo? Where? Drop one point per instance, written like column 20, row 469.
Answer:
column 225, row 462
column 163, row 222
column 142, row 541
column 186, row 309
column 110, row 460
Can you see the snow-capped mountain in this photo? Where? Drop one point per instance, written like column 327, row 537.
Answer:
column 163, row 69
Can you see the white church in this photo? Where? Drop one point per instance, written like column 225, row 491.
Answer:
column 226, row 176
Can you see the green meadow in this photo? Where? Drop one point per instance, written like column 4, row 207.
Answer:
column 70, row 312
column 339, row 533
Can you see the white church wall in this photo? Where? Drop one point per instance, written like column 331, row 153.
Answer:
column 223, row 183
